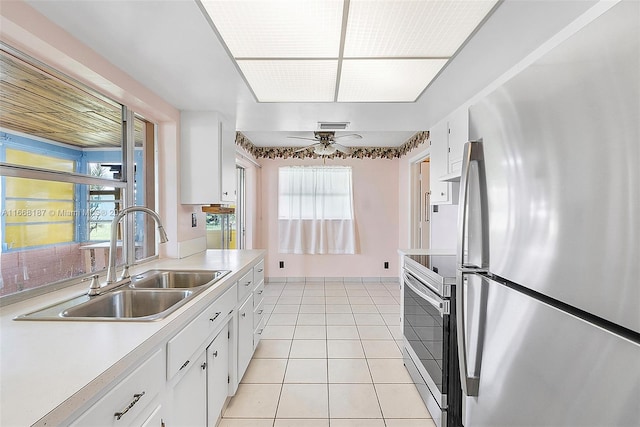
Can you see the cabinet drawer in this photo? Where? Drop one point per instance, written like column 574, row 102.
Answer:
column 258, row 272
column 245, row 285
column 258, row 312
column 257, row 333
column 187, row 341
column 130, row 399
column 258, row 294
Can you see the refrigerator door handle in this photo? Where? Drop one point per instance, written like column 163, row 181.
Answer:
column 462, row 203
column 470, row 385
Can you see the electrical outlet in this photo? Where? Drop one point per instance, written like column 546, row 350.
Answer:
column 386, row 265
column 194, row 220
column 281, row 264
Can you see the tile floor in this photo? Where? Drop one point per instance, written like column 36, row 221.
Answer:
column 330, row 356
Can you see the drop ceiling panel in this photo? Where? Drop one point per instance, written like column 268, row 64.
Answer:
column 292, row 80
column 279, row 28
column 386, row 80
column 411, row 28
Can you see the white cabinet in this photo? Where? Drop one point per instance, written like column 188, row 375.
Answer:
column 129, row 403
column 190, row 395
column 458, row 136
column 438, row 164
column 217, row 375
column 245, row 335
column 207, row 149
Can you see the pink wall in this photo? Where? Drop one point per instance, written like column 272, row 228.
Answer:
column 30, row 32
column 375, row 192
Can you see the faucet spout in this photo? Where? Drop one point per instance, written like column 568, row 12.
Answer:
column 111, row 272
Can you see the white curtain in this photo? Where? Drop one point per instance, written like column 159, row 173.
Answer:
column 315, row 210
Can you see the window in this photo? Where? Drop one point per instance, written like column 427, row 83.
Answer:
column 315, row 210
column 70, row 159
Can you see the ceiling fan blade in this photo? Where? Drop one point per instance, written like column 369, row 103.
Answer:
column 348, row 137
column 301, row 137
column 342, row 148
column 307, row 147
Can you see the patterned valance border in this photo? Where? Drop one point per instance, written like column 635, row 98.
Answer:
column 357, row 152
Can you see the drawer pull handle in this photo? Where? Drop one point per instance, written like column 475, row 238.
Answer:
column 260, row 312
column 184, row 365
column 136, row 397
column 215, row 353
column 260, row 292
column 244, row 314
column 261, row 270
column 260, row 331
column 204, row 366
column 248, row 283
column 216, row 316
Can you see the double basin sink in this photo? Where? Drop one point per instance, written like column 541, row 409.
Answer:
column 152, row 295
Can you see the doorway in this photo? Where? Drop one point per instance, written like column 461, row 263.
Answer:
column 420, row 204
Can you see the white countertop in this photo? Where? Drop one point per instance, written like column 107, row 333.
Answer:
column 48, row 369
column 434, row 251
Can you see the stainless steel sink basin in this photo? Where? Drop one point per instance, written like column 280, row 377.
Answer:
column 135, row 304
column 152, row 295
column 168, row 279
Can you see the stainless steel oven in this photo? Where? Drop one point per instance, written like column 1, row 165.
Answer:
column 427, row 327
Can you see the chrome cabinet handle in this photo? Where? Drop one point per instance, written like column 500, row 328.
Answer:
column 261, row 270
column 260, row 312
column 260, row 292
column 216, row 316
column 184, row 365
column 136, row 397
column 248, row 283
column 244, row 314
column 204, row 366
column 215, row 354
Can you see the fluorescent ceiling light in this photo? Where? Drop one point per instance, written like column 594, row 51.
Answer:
column 289, row 50
column 291, row 81
column 386, row 80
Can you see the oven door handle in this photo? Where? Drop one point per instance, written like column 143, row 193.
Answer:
column 425, row 293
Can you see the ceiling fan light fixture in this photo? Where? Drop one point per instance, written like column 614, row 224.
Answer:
column 325, row 150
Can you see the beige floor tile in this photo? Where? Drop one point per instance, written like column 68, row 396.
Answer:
column 282, row 319
column 310, row 332
column 368, row 319
column 351, row 349
column 384, row 300
column 391, row 319
column 254, row 401
column 361, row 300
column 277, row 332
column 364, row 308
column 340, row 319
column 230, row 422
column 350, row 371
column 284, row 422
column 379, row 292
column 312, row 308
column 353, row 401
column 336, row 300
column 313, row 292
column 389, row 371
column 303, row 401
column 368, row 332
column 351, row 292
column 356, row 422
column 272, row 349
column 308, row 349
column 342, row 333
column 396, row 332
column 265, row 371
column 312, row 319
column 289, row 300
column 313, row 299
column 306, row 371
column 338, row 308
column 381, row 349
column 286, row 308
column 401, row 401
column 292, row 292
column 416, row 422
column 335, row 292
column 389, row 308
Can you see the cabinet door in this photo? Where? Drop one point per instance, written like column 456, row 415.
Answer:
column 439, row 163
column 458, row 135
column 228, row 162
column 245, row 336
column 217, row 375
column 190, row 395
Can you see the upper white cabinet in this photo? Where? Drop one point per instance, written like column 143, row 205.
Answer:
column 441, row 192
column 458, row 134
column 207, row 141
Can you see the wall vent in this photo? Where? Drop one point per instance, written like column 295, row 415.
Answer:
column 333, row 125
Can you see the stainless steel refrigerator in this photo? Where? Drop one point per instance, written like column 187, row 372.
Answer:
column 548, row 286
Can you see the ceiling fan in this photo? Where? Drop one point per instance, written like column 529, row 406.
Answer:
column 325, row 142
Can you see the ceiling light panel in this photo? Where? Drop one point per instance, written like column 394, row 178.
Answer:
column 386, row 80
column 292, row 80
column 278, row 28
column 411, row 28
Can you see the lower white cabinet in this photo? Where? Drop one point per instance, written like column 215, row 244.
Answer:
column 245, row 335
column 189, row 403
column 217, row 375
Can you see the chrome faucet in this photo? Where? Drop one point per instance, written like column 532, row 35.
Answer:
column 112, row 281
